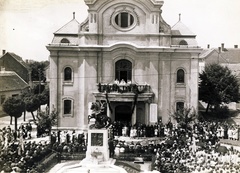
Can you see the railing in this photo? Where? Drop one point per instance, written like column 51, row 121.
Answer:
column 126, row 88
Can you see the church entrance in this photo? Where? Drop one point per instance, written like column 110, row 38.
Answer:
column 123, row 113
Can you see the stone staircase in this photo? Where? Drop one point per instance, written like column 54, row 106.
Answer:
column 129, row 169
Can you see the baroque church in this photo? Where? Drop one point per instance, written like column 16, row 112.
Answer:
column 126, row 55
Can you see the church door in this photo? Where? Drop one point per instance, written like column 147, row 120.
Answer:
column 123, row 113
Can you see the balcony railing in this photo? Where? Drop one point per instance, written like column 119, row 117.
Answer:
column 126, row 88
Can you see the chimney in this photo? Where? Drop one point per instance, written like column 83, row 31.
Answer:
column 219, row 49
column 235, row 46
column 222, row 46
column 208, row 46
column 3, row 52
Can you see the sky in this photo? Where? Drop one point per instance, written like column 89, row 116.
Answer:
column 27, row 26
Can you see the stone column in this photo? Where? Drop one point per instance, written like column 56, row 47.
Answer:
column 147, row 113
column 108, row 111
column 134, row 115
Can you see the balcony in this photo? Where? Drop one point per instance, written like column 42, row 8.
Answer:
column 125, row 93
column 126, row 88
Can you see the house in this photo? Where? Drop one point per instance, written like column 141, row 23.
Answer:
column 229, row 57
column 128, row 41
column 12, row 62
column 11, row 85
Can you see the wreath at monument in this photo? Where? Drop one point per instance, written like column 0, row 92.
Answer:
column 99, row 113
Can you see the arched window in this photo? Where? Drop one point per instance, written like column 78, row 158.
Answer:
column 67, row 107
column 183, row 42
column 180, row 76
column 123, row 70
column 67, row 74
column 64, row 40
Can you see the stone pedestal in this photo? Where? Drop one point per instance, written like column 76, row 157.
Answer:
column 97, row 156
column 97, row 148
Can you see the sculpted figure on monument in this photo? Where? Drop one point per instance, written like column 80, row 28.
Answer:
column 99, row 113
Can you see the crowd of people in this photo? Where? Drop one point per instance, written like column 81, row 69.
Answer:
column 137, row 130
column 17, row 152
column 68, row 141
column 23, row 158
column 20, row 154
column 7, row 135
column 194, row 148
column 224, row 130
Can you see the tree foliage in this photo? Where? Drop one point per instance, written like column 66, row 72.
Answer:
column 32, row 104
column 44, row 97
column 184, row 116
column 38, row 69
column 46, row 121
column 218, row 85
column 14, row 107
column 38, row 89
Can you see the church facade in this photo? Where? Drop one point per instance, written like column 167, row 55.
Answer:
column 126, row 55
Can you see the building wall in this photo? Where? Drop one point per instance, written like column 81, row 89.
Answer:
column 12, row 64
column 157, row 69
column 84, row 83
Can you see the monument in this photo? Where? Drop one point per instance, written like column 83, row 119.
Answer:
column 97, row 155
column 97, row 148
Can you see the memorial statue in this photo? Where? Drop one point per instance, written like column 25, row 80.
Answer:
column 99, row 113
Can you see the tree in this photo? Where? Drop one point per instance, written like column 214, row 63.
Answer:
column 217, row 86
column 14, row 108
column 46, row 121
column 32, row 104
column 184, row 116
column 38, row 69
column 44, row 97
column 38, row 89
column 23, row 96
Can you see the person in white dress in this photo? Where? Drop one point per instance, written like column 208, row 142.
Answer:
column 235, row 133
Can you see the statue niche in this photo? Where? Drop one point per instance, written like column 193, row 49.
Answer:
column 99, row 113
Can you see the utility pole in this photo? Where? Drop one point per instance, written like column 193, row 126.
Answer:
column 39, row 78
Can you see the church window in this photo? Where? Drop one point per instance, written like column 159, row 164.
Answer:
column 180, row 76
column 64, row 40
column 67, row 107
column 67, row 74
column 179, row 106
column 183, row 42
column 124, row 19
column 123, row 70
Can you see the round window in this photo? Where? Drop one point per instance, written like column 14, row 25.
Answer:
column 124, row 20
